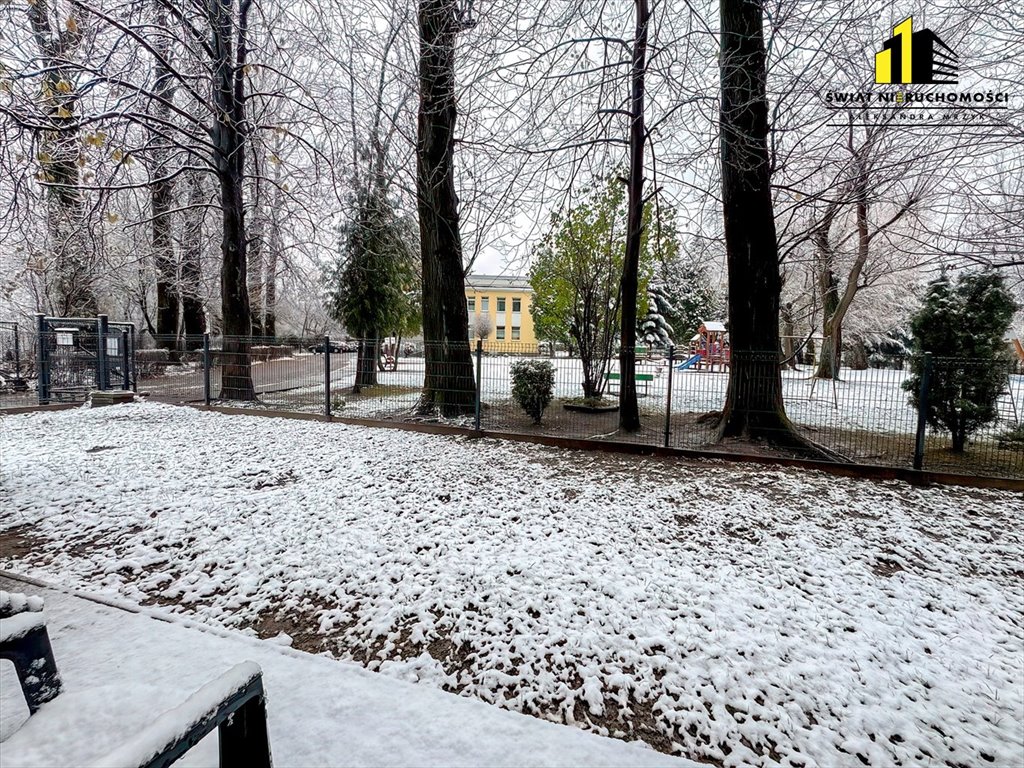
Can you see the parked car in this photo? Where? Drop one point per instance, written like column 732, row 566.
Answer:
column 335, row 347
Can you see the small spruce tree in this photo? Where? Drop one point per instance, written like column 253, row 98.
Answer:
column 373, row 287
column 962, row 325
column 653, row 329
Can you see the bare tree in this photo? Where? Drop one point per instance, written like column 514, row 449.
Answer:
column 483, row 326
column 629, row 410
column 58, row 34
column 161, row 187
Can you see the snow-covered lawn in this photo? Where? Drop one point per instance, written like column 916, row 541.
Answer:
column 732, row 613
column 120, row 671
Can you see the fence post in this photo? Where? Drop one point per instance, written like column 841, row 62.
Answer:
column 19, row 382
column 922, row 410
column 479, row 379
column 102, row 379
column 668, row 400
column 43, row 361
column 327, row 377
column 126, row 381
column 206, row 368
column 131, row 360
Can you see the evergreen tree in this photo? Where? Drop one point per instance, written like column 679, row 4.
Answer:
column 963, row 326
column 688, row 295
column 654, row 330
column 374, row 287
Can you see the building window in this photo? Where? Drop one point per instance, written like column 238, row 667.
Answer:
column 471, row 305
column 515, row 332
column 501, row 304
column 485, row 305
column 499, row 332
column 516, row 305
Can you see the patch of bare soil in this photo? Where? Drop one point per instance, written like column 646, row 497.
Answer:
column 885, row 565
column 19, row 543
column 302, row 626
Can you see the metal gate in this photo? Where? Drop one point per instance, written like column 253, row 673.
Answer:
column 77, row 355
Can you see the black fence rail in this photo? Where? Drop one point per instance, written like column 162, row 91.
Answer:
column 862, row 416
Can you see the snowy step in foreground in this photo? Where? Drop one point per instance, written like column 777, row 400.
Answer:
column 122, row 670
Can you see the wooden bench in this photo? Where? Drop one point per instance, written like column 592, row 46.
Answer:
column 642, row 379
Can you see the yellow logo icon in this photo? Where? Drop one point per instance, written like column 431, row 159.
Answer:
column 915, row 57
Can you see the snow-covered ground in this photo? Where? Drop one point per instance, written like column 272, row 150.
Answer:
column 120, row 671
column 742, row 614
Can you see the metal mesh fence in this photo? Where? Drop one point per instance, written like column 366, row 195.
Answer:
column 863, row 416
column 17, row 365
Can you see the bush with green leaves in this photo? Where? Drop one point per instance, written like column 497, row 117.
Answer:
column 533, row 384
column 962, row 325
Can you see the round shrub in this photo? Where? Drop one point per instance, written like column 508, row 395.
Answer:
column 533, row 384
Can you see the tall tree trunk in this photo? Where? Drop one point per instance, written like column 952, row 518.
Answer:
column 629, row 411
column 366, row 363
column 274, row 247
column 788, row 332
column 72, row 282
column 228, row 134
column 449, row 382
column 838, row 304
column 256, row 220
column 270, row 277
column 254, row 270
column 831, row 333
column 162, row 194
column 958, row 433
column 753, row 408
column 828, row 288
column 193, row 318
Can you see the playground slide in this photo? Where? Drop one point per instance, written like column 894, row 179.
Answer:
column 688, row 363
column 1019, row 348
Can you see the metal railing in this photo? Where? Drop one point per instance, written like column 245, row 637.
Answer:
column 863, row 416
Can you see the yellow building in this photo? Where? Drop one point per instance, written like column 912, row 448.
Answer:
column 499, row 312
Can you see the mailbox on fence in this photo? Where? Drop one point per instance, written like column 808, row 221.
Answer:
column 65, row 337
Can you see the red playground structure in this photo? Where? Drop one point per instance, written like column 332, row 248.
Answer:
column 709, row 348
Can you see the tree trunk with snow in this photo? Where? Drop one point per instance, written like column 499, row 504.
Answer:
column 629, row 411
column 449, row 383
column 161, row 190
column 193, row 317
column 754, row 408
column 229, row 138
column 366, row 363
